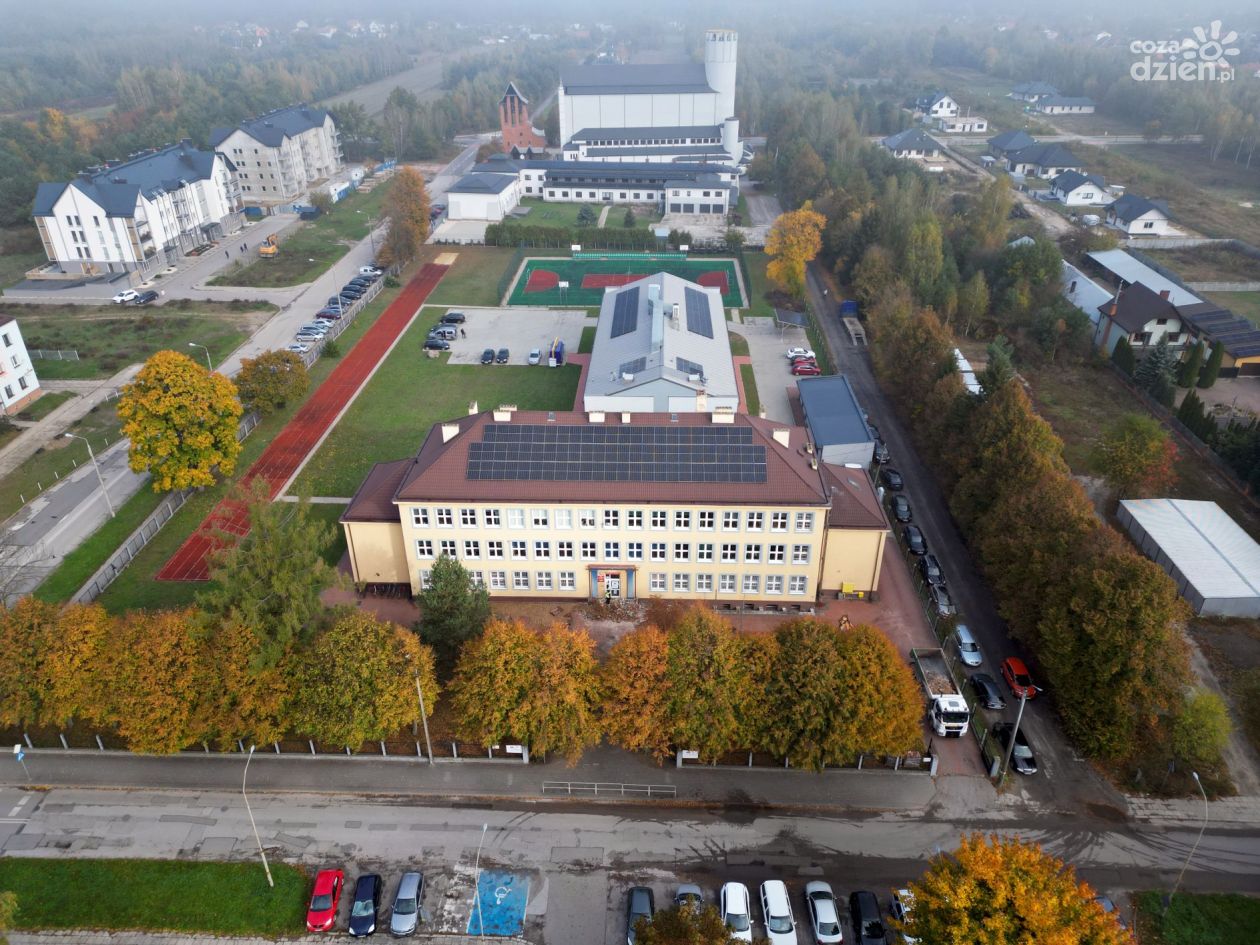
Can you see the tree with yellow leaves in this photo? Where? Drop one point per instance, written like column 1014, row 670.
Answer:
column 794, row 241
column 181, row 420
column 710, row 685
column 492, row 680
column 78, row 685
column 27, row 630
column 636, row 695
column 1003, row 891
column 407, row 210
column 249, row 695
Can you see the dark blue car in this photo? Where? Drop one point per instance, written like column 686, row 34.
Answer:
column 367, row 903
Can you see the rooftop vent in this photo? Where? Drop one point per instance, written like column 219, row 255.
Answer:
column 596, row 416
column 783, row 436
column 449, row 432
column 472, row 407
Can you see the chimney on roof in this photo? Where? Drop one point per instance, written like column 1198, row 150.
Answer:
column 449, row 432
column 595, row 416
column 472, row 407
column 702, row 402
column 503, row 413
column 783, row 436
column 723, row 415
column 625, row 416
column 1163, row 293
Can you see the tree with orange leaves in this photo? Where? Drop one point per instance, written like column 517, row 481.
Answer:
column 1004, row 891
column 407, row 210
column 636, row 694
column 794, row 240
column 1137, row 457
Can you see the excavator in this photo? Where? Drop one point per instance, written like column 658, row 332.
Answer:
column 269, row 247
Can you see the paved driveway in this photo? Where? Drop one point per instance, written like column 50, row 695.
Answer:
column 520, row 330
column 767, row 346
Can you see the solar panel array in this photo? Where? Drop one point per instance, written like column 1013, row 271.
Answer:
column 699, row 319
column 689, row 367
column 625, row 312
column 560, row 453
column 637, row 366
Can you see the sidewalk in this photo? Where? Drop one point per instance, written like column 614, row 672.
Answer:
column 88, row 937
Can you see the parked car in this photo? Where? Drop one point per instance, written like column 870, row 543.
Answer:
column 144, row 298
column 338, row 303
column 1022, row 758
column 690, row 896
column 733, row 905
column 325, row 897
column 363, row 282
column 930, row 568
column 968, row 648
column 502, row 357
column 405, row 913
column 487, row 356
column 445, row 332
column 317, row 325
column 901, row 508
column 298, row 348
column 881, row 452
column 942, row 603
column 330, row 312
column 436, row 344
column 892, row 479
column 367, row 903
column 125, row 296
column 351, row 292
column 308, row 338
column 776, row 909
column 806, row 369
column 915, row 543
column 453, row 318
column 369, row 271
column 800, row 353
column 1017, row 677
column 900, row 906
column 1110, row 908
column 639, row 905
column 987, row 691
column 824, row 914
column 795, row 361
column 535, row 356
column 868, row 925
column 347, row 299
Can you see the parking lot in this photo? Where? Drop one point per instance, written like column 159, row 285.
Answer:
column 520, row 330
column 767, row 347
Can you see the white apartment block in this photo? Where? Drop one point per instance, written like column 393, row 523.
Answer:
column 140, row 215
column 279, row 155
column 18, row 383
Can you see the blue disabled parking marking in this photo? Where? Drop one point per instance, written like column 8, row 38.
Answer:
column 500, row 904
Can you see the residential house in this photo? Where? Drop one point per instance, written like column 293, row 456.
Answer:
column 1075, row 189
column 963, row 125
column 1213, row 325
column 138, row 216
column 913, row 143
column 1002, row 146
column 1134, row 215
column 282, row 153
column 935, row 105
column 1032, row 91
column 1046, row 161
column 1117, row 268
column 1141, row 315
column 19, row 385
column 1086, row 294
column 1064, row 105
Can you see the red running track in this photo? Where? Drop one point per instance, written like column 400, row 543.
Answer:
column 285, row 454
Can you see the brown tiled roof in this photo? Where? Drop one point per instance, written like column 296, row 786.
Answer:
column 374, row 502
column 1136, row 306
column 440, row 468
column 854, row 502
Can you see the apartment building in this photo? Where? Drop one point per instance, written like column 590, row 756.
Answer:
column 279, row 155
column 19, row 385
column 720, row 507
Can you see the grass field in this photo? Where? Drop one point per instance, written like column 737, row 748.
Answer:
column 587, row 343
column 752, row 402
column 1243, row 304
column 14, row 266
column 542, row 213
column 1212, row 263
column 311, row 248
column 375, row 429
column 1193, row 919
column 474, row 278
column 573, row 271
column 759, row 304
column 173, row 895
column 47, row 403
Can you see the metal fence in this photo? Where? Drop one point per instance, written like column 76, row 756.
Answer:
column 608, row 789
column 53, row 354
column 348, row 314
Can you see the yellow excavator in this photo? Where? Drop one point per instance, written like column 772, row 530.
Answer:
column 269, row 247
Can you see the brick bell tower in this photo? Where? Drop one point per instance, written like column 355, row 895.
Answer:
column 517, row 131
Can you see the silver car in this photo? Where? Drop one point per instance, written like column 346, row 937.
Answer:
column 405, row 914
column 824, row 914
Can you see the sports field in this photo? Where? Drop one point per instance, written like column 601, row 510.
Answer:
column 538, row 281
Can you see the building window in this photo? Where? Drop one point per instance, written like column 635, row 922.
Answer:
column 704, row 583
column 426, row 580
column 658, row 519
column 682, row 583
column 634, row 550
column 588, row 551
column 778, row 521
column 634, row 519
column 520, row 580
column 542, row 580
column 419, row 518
column 493, row 518
column 564, row 518
column 612, row 550
column 424, row 548
column 520, row 549
column 447, row 547
column 797, row 583
column 498, row 580
column 804, row 521
column 539, row 518
column 586, row 518
column 754, row 521
column 752, row 554
column 752, row 583
column 494, row 549
column 800, row 554
column 704, row 552
column 774, row 583
column 472, row 549
column 542, row 549
column 478, row 578
column 564, row 549
column 516, row 518
column 468, row 518
column 657, row 582
column 568, row 581
column 776, row 554
column 682, row 551
column 682, row 521
column 726, row 584
column 658, row 551
column 730, row 553
column 611, row 518
column 730, row 521
column 445, row 519
column 706, row 521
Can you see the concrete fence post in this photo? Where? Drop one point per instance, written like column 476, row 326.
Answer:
column 383, row 751
column 64, row 744
column 525, row 754
column 100, row 744
column 311, row 742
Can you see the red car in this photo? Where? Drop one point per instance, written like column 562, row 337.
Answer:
column 324, row 899
column 1018, row 678
column 802, row 359
column 806, row 369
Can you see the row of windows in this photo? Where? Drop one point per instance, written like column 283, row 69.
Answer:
column 8, row 388
column 658, row 582
column 621, row 195
column 705, row 552
column 706, row 520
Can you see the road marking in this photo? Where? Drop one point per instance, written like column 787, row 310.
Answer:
column 20, row 804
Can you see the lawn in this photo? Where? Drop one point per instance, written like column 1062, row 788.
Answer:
column 47, row 403
column 115, row 337
column 542, row 213
column 1212, row 263
column 589, row 277
column 474, row 278
column 739, row 344
column 587, row 344
column 758, row 305
column 175, row 895
column 752, row 402
column 375, row 429
column 311, row 248
column 1243, row 304
column 1194, row 919
column 14, row 266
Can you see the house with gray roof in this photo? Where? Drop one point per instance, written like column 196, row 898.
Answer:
column 1046, row 160
column 1135, row 215
column 1003, row 145
column 1065, row 105
column 835, row 420
column 913, row 143
column 139, row 215
column 1032, row 91
column 481, row 196
column 661, row 346
column 281, row 154
column 1075, row 189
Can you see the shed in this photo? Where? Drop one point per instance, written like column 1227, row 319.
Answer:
column 1214, row 563
column 836, row 421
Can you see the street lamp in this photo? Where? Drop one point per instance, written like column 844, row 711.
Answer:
column 481, row 926
column 193, row 344
column 95, row 465
column 1019, row 716
column 1193, row 849
column 250, row 811
column 428, row 746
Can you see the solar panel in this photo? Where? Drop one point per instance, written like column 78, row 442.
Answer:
column 689, row 367
column 534, row 452
column 625, row 312
column 699, row 319
column 633, row 367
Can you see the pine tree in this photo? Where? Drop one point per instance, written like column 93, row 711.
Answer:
column 628, row 220
column 1157, row 369
column 1122, row 355
column 454, row 609
column 1194, row 415
column 1189, row 375
column 585, row 215
column 1212, row 369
